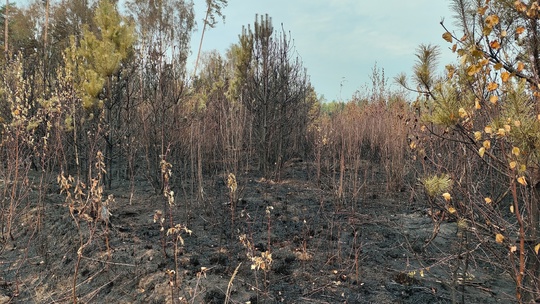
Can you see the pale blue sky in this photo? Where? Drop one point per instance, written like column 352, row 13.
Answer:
column 340, row 38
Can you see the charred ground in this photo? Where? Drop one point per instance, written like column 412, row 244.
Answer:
column 374, row 249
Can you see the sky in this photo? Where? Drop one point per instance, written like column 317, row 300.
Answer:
column 340, row 41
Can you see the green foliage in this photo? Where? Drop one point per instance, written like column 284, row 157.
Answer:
column 448, row 106
column 99, row 55
column 331, row 108
column 437, row 185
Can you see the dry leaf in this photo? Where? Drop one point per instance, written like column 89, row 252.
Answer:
column 482, row 10
column 537, row 248
column 520, row 66
column 499, row 238
column 495, row 44
column 515, row 151
column 513, row 165
column 462, row 113
column 473, row 69
column 451, row 209
column 492, row 20
column 481, row 151
column 477, row 104
column 447, row 197
column 505, row 76
column 492, row 86
column 520, row 6
column 486, row 144
column 447, row 36
column 522, row 180
column 493, row 99
column 477, row 135
column 487, row 200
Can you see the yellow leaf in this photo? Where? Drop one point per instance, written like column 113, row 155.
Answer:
column 499, row 238
column 422, row 273
column 520, row 30
column 477, row 104
column 537, row 248
column 492, row 20
column 447, row 36
column 520, row 66
column 462, row 113
column 482, row 10
column 520, row 6
column 447, row 197
column 412, row 145
column 473, row 70
column 522, row 168
column 505, row 76
column 451, row 209
column 522, row 180
column 517, row 123
column 501, row 132
column 492, row 86
column 512, row 208
column 513, row 165
column 498, row 66
column 481, row 151
column 513, row 248
column 486, row 144
column 488, row 129
column 504, row 33
column 493, row 99
column 477, row 135
column 487, row 200
column 495, row 44
column 507, row 128
column 515, row 151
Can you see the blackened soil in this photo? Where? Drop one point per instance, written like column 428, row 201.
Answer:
column 374, row 247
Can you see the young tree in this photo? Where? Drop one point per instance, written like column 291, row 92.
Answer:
column 213, row 8
column 164, row 28
column 486, row 111
column 274, row 88
column 98, row 60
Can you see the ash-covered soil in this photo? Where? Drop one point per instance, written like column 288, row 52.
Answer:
column 374, row 248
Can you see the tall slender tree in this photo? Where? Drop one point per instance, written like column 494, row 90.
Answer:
column 99, row 57
column 275, row 89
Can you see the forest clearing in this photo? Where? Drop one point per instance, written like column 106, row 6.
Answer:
column 126, row 177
